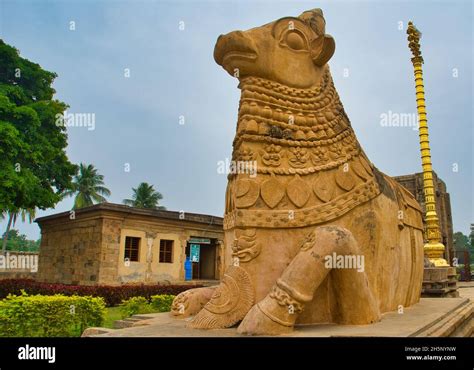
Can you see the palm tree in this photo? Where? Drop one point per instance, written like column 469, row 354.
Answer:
column 144, row 196
column 88, row 187
column 12, row 218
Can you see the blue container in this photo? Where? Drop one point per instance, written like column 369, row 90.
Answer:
column 188, row 269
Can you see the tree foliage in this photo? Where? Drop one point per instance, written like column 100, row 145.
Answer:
column 88, row 187
column 12, row 217
column 144, row 196
column 34, row 169
column 19, row 242
column 461, row 241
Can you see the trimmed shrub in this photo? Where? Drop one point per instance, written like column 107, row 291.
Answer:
column 162, row 302
column 135, row 305
column 113, row 295
column 49, row 316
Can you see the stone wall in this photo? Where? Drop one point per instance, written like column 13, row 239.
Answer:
column 70, row 251
column 109, row 251
column 19, row 272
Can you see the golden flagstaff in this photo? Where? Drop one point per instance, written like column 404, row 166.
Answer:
column 433, row 249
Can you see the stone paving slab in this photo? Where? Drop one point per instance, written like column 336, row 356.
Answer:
column 466, row 289
column 414, row 320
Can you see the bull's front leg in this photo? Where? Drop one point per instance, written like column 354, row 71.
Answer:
column 190, row 302
column 278, row 311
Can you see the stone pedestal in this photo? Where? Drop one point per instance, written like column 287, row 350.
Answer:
column 439, row 282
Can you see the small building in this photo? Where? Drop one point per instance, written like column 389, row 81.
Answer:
column 115, row 244
column 414, row 183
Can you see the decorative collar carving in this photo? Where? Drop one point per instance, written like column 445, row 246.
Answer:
column 310, row 167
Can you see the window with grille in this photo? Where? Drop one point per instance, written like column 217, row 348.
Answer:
column 166, row 251
column 132, row 248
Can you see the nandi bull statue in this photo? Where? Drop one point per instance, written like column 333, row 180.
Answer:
column 318, row 235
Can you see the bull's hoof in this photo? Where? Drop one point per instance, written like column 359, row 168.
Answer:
column 263, row 319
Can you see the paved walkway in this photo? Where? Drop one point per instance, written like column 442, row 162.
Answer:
column 466, row 289
column 414, row 320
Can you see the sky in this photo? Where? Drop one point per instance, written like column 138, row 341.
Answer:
column 165, row 112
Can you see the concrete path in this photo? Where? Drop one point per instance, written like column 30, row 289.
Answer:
column 466, row 289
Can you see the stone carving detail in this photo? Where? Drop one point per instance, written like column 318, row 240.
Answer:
column 365, row 163
column 272, row 192
column 319, row 156
column 359, row 169
column 272, row 155
column 325, row 212
column 298, row 191
column 190, row 302
column 249, row 126
column 348, row 149
column 229, row 205
column 323, row 186
column 245, row 246
column 337, row 150
column 244, row 154
column 299, row 157
column 246, row 193
column 308, row 242
column 231, row 300
column 344, row 178
column 284, row 299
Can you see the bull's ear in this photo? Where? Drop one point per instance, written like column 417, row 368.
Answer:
column 322, row 49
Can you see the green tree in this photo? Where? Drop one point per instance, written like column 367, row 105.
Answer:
column 12, row 218
column 19, row 242
column 471, row 247
column 471, row 238
column 34, row 168
column 461, row 241
column 144, row 196
column 88, row 187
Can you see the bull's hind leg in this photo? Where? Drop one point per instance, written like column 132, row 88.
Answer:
column 278, row 311
column 355, row 302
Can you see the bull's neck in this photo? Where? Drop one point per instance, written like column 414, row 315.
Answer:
column 290, row 130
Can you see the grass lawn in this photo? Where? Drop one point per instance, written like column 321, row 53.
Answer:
column 112, row 314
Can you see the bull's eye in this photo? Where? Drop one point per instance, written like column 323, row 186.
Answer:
column 295, row 41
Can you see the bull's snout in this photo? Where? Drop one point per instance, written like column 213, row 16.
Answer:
column 234, row 44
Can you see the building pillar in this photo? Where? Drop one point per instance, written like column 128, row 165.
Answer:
column 150, row 238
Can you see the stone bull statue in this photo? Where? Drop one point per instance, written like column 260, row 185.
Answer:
column 315, row 234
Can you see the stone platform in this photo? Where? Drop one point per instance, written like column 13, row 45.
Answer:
column 437, row 317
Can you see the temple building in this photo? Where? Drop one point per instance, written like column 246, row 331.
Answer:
column 115, row 244
column 414, row 183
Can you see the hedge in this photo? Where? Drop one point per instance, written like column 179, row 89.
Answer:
column 113, row 295
column 139, row 305
column 135, row 305
column 162, row 302
column 49, row 316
